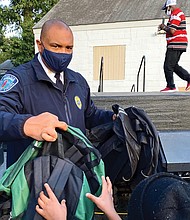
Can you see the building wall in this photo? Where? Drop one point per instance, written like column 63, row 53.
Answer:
column 141, row 39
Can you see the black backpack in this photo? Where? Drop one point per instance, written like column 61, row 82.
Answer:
column 129, row 145
column 71, row 166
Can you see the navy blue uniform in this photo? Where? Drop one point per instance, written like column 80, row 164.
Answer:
column 33, row 93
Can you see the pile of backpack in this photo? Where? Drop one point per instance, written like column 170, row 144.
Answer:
column 126, row 149
column 71, row 166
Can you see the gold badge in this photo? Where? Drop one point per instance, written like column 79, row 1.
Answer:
column 78, row 102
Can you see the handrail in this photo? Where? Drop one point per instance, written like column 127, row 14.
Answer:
column 100, row 87
column 143, row 59
column 133, row 88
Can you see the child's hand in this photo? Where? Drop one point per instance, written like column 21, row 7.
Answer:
column 50, row 208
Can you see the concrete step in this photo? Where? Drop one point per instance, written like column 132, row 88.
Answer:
column 168, row 111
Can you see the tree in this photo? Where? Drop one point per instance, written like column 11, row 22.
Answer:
column 20, row 16
column 3, row 55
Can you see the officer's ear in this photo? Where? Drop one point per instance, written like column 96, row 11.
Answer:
column 40, row 46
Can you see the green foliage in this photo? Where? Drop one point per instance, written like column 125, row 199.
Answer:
column 21, row 16
column 4, row 51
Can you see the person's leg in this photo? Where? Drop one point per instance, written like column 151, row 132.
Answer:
column 171, row 59
column 180, row 71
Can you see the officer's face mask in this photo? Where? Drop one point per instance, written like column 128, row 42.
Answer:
column 58, row 62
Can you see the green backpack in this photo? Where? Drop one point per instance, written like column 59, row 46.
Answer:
column 71, row 166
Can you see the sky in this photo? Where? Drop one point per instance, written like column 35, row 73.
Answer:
column 4, row 2
column 9, row 32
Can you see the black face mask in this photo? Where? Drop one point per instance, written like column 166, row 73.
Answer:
column 58, row 62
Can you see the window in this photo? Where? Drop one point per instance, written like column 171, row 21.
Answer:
column 113, row 62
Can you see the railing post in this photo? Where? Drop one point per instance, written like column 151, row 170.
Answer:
column 133, row 88
column 100, row 87
column 143, row 59
column 144, row 75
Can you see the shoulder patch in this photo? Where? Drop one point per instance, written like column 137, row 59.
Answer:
column 7, row 82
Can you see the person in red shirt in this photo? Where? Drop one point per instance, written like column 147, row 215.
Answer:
column 176, row 37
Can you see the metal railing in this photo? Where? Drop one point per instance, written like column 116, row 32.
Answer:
column 143, row 61
column 101, row 75
column 133, row 88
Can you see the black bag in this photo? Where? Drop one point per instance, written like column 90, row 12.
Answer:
column 129, row 145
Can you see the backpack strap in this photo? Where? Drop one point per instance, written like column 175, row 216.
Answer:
column 73, row 144
column 58, row 182
column 41, row 166
column 85, row 152
column 55, row 148
column 77, row 132
column 57, row 179
column 67, row 182
column 90, row 159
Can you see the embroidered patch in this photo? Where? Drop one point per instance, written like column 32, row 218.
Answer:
column 78, row 102
column 7, row 82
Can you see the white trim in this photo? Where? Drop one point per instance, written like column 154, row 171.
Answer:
column 180, row 35
column 117, row 25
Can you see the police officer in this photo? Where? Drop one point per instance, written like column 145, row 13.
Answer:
column 34, row 101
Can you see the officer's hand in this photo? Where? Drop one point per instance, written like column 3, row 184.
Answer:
column 42, row 127
column 114, row 117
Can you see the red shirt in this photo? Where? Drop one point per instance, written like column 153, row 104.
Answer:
column 177, row 21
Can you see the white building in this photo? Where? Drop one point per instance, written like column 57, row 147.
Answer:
column 122, row 32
